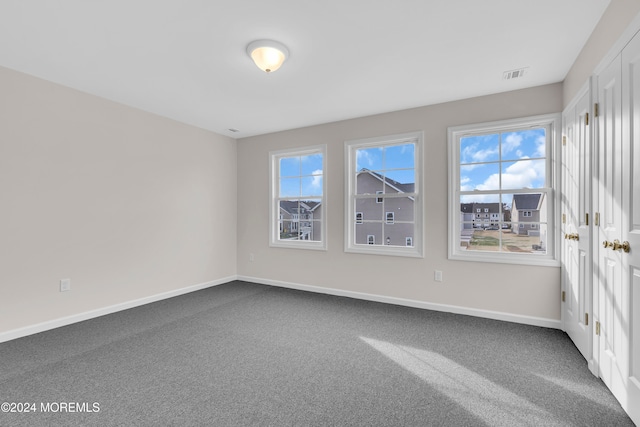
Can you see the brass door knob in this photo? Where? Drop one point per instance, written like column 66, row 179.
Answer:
column 626, row 247
column 606, row 244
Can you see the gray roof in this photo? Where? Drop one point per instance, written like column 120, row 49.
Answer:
column 291, row 206
column 404, row 188
column 526, row 201
column 466, row 207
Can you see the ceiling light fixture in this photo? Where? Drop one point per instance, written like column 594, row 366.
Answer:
column 267, row 54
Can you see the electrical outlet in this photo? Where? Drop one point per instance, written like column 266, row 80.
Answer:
column 252, row 257
column 65, row 285
column 437, row 276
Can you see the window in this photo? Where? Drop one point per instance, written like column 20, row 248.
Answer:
column 298, row 203
column 389, row 216
column 505, row 167
column 383, row 183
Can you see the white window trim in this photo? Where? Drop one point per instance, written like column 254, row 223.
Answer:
column 553, row 121
column 351, row 146
column 274, row 165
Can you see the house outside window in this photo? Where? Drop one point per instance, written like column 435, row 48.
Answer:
column 508, row 166
column 383, row 182
column 298, row 202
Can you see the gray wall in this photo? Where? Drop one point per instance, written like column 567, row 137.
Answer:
column 466, row 284
column 126, row 204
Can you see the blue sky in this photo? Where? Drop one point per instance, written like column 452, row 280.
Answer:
column 301, row 176
column 502, row 161
column 395, row 162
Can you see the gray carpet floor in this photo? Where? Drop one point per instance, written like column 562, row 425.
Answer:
column 242, row 354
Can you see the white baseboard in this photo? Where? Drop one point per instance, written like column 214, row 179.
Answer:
column 64, row 321
column 488, row 314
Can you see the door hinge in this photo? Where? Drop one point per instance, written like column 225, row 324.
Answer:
column 595, row 110
column 597, row 328
column 564, row 218
column 564, row 140
column 597, row 219
column 586, row 319
column 564, row 296
column 586, row 119
column 586, row 219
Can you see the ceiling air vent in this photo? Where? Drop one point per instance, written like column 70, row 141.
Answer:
column 514, row 74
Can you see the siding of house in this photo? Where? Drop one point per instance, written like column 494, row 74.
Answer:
column 374, row 214
column 526, row 213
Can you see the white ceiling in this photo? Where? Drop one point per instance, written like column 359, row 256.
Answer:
column 186, row 59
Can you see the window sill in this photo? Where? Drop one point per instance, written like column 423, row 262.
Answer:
column 315, row 246
column 384, row 250
column 535, row 260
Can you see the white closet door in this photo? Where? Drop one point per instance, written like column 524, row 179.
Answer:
column 576, row 204
column 631, row 220
column 613, row 295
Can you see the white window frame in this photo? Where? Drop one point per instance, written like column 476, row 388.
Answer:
column 274, row 211
column 351, row 147
column 553, row 124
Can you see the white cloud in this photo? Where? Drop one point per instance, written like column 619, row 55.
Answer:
column 473, row 154
column 522, row 174
column 541, row 145
column 363, row 158
column 317, row 178
column 511, row 142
